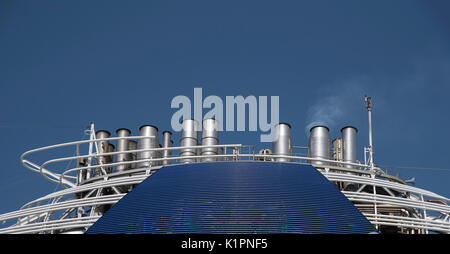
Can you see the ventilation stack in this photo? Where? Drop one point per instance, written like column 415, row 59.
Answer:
column 349, row 144
column 337, row 150
column 189, row 138
column 210, row 137
column 167, row 143
column 102, row 147
column 122, row 146
column 132, row 145
column 319, row 144
column 150, row 141
column 282, row 144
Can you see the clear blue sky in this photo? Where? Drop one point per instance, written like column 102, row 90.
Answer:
column 119, row 64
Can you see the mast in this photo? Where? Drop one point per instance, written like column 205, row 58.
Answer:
column 368, row 101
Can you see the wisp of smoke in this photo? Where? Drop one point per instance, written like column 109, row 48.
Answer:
column 339, row 107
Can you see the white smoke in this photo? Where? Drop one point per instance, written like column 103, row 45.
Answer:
column 338, row 104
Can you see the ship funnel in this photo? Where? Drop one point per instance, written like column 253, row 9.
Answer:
column 102, row 147
column 150, row 142
column 210, row 136
column 167, row 142
column 189, row 138
column 349, row 144
column 282, row 144
column 110, row 158
column 319, row 144
column 122, row 146
column 337, row 149
column 132, row 145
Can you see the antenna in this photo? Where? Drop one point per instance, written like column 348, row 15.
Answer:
column 368, row 101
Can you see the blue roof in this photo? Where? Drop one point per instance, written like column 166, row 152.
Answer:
column 234, row 198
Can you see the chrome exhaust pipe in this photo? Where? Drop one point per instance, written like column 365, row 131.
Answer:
column 282, row 144
column 122, row 146
column 319, row 144
column 210, row 137
column 132, row 145
column 337, row 149
column 167, row 143
column 349, row 144
column 151, row 141
column 102, row 147
column 189, row 138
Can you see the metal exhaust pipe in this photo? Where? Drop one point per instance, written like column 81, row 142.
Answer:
column 210, row 137
column 319, row 144
column 110, row 158
column 349, row 144
column 282, row 144
column 122, row 146
column 102, row 147
column 132, row 145
column 167, row 143
column 337, row 149
column 189, row 137
column 151, row 141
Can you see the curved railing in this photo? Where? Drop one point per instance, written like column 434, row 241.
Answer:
column 385, row 200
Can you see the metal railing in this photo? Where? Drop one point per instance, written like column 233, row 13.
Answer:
column 79, row 204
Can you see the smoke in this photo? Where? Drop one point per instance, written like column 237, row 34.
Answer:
column 338, row 104
column 327, row 111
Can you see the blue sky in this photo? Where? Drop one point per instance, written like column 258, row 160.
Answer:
column 69, row 63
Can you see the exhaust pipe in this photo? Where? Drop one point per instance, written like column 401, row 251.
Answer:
column 210, row 137
column 337, row 149
column 167, row 143
column 110, row 158
column 102, row 147
column 319, row 144
column 282, row 145
column 151, row 141
column 122, row 146
column 189, row 137
column 132, row 145
column 349, row 144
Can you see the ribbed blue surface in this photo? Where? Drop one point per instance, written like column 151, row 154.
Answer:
column 234, row 197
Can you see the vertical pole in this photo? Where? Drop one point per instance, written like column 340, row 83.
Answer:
column 79, row 172
column 91, row 144
column 369, row 110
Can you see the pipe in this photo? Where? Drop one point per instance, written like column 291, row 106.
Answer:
column 210, row 137
column 132, row 145
column 189, row 138
column 102, row 147
column 319, row 144
column 151, row 141
column 122, row 146
column 282, row 144
column 337, row 149
column 349, row 144
column 167, row 143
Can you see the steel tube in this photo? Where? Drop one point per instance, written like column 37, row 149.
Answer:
column 282, row 144
column 122, row 145
column 210, row 136
column 102, row 147
column 151, row 141
column 349, row 144
column 167, row 143
column 189, row 138
column 319, row 143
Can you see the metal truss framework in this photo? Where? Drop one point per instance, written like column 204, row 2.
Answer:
column 387, row 202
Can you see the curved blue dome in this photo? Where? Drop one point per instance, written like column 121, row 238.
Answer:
column 234, row 198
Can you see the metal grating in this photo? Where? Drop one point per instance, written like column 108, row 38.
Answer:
column 234, row 198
